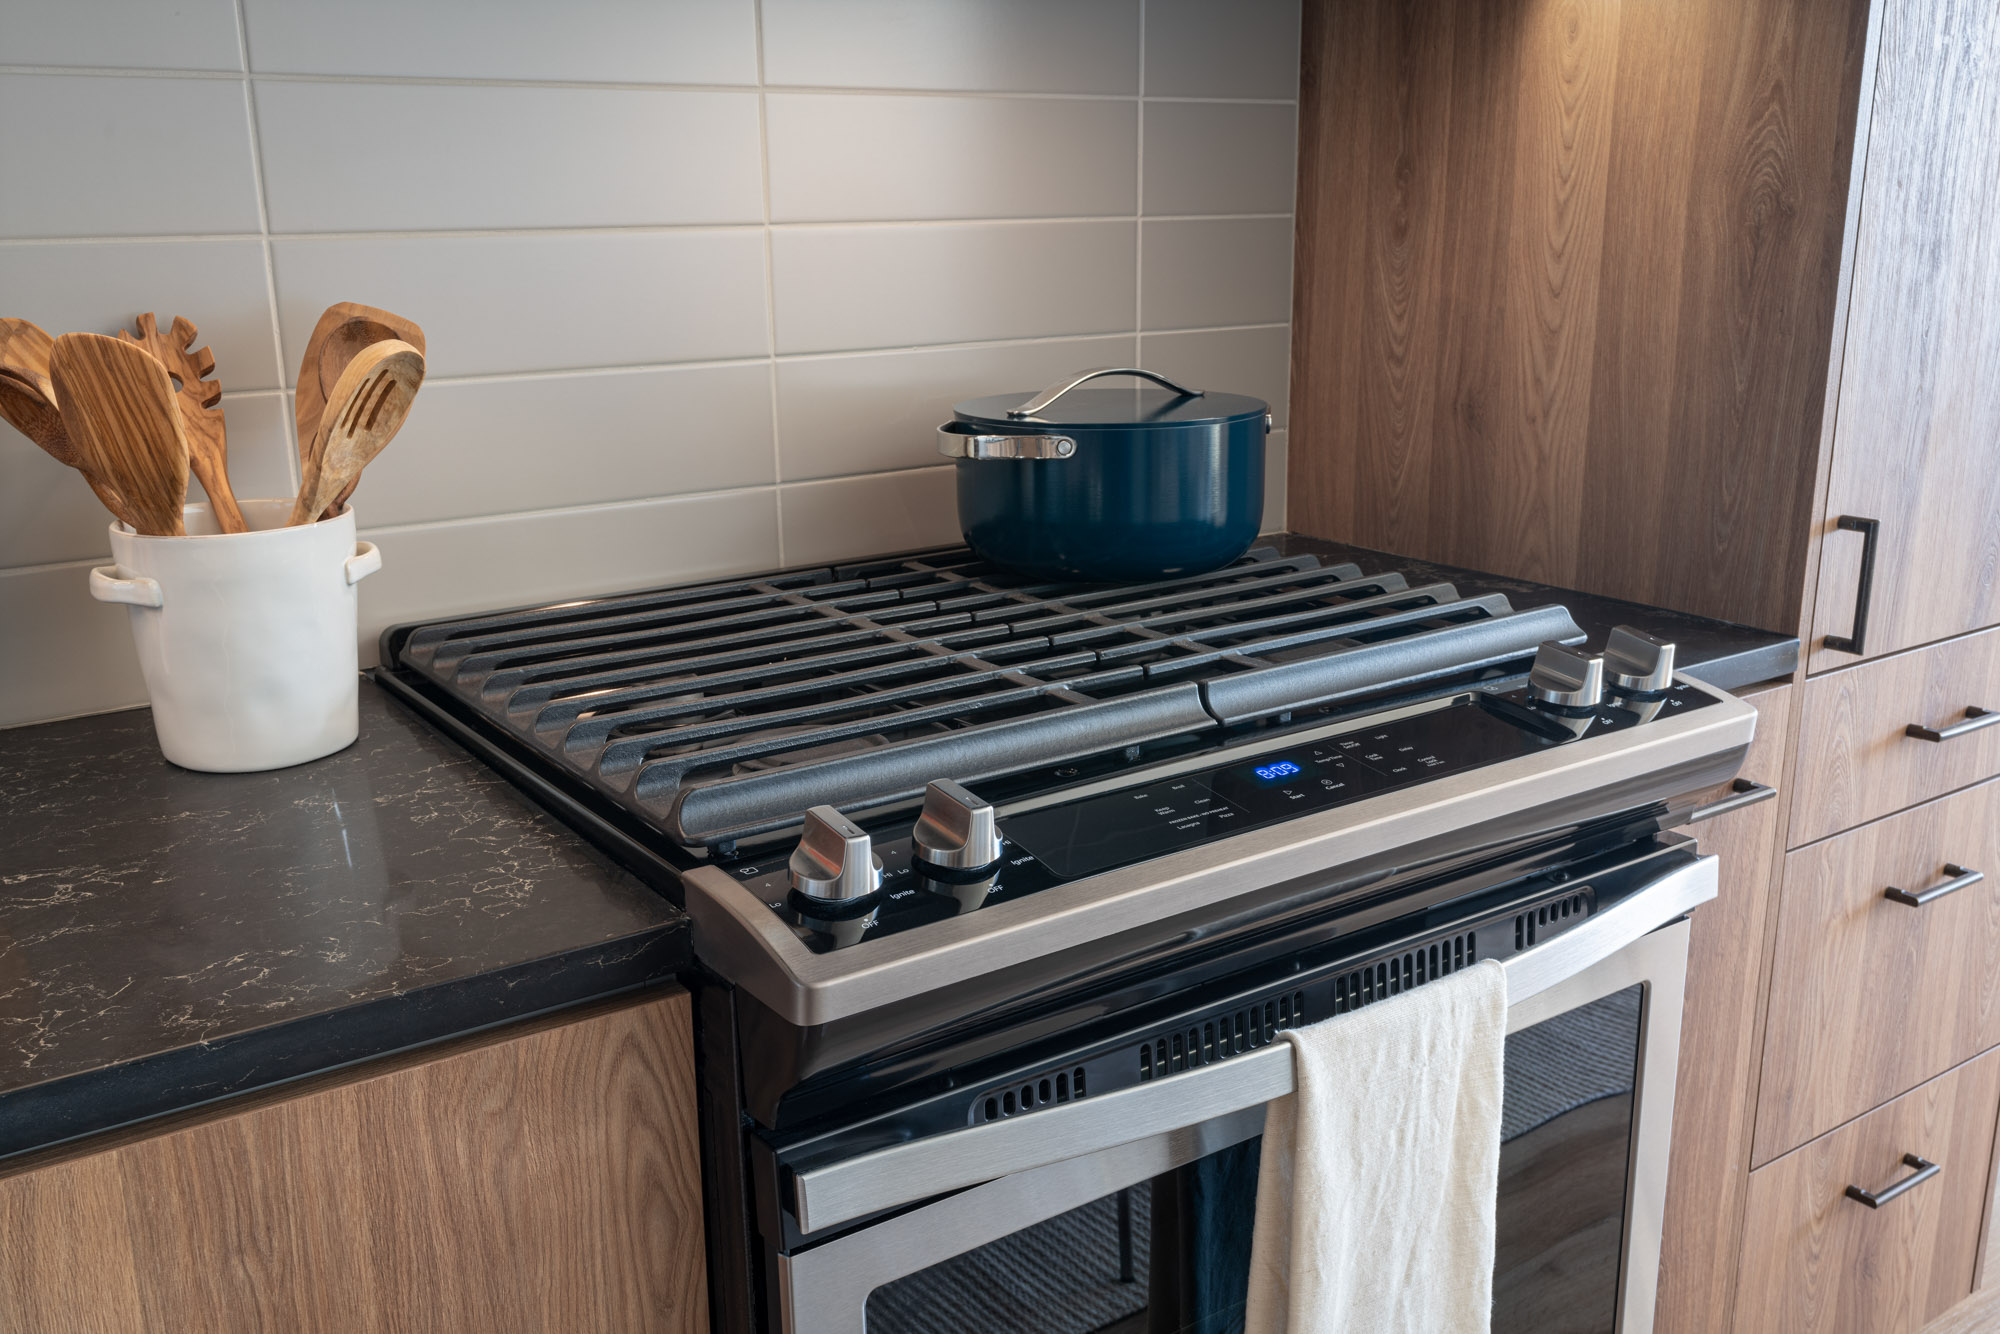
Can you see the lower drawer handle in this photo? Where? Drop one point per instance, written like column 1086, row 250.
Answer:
column 1974, row 720
column 1961, row 876
column 1744, row 793
column 1875, row 1199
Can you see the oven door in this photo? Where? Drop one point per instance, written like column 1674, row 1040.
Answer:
column 1128, row 1213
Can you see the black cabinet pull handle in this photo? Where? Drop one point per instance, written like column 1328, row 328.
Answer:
column 1975, row 718
column 1746, row 793
column 1961, row 876
column 1869, row 529
column 1875, row 1199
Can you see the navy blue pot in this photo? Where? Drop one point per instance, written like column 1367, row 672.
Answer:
column 1109, row 485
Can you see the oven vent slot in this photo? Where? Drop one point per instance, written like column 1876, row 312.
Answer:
column 1529, row 925
column 1399, row 972
column 1221, row 1037
column 1037, row 1091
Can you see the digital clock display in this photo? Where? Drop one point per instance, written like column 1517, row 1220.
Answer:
column 1276, row 770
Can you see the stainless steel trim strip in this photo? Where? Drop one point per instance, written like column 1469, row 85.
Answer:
column 742, row 939
column 842, row 1192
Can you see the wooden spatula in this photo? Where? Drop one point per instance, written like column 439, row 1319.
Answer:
column 344, row 328
column 118, row 408
column 24, row 350
column 365, row 409
column 201, row 410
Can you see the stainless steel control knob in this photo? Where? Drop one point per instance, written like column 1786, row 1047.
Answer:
column 834, row 862
column 956, row 830
column 1566, row 677
column 1638, row 663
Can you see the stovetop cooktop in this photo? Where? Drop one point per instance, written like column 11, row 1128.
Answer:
column 721, row 712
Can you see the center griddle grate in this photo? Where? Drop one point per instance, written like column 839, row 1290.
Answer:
column 726, row 709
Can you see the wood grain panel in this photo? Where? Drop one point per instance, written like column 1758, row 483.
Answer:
column 1815, row 1262
column 542, row 1182
column 1565, row 283
column 1977, row 1314
column 1833, row 1048
column 1919, row 419
column 1856, row 762
column 1718, row 1062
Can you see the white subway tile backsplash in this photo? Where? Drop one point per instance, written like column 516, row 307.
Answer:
column 493, row 304
column 1030, row 46
column 877, row 287
column 842, row 415
column 1235, row 361
column 101, row 287
column 699, row 278
column 474, row 565
column 111, row 156
column 1274, row 482
column 122, row 34
column 582, row 41
column 855, row 156
column 1207, row 272
column 454, row 156
column 866, row 516
column 1206, row 48
column 64, row 652
column 501, row 446
column 1220, row 157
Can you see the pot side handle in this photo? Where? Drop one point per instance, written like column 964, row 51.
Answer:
column 963, row 440
column 1048, row 396
column 107, row 585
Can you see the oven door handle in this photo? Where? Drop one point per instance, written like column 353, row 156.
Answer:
column 841, row 1192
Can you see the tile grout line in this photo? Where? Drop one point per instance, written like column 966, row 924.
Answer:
column 613, row 86
column 770, row 285
column 1139, row 210
column 624, row 229
column 287, row 431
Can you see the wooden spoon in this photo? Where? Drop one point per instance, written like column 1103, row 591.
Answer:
column 201, row 410
column 24, row 351
column 364, row 411
column 344, row 328
column 35, row 416
column 118, row 407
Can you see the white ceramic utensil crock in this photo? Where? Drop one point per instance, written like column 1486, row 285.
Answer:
column 247, row 640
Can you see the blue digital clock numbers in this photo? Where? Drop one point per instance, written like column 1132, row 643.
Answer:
column 1270, row 773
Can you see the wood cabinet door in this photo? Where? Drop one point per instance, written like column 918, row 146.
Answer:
column 544, row 1178
column 1917, row 440
column 1709, row 1160
column 1869, row 995
column 1818, row 1262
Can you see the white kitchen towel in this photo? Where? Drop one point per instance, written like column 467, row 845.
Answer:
column 1376, row 1193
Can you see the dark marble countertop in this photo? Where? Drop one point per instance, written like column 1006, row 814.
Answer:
column 1726, row 656
column 168, row 937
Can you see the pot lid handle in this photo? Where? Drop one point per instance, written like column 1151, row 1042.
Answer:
column 1055, row 391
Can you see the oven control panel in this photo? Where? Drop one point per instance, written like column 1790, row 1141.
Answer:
column 1104, row 828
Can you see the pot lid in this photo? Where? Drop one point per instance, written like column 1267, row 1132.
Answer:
column 1066, row 404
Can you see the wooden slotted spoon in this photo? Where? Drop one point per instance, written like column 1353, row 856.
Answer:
column 118, row 409
column 201, row 410
column 364, row 411
column 344, row 328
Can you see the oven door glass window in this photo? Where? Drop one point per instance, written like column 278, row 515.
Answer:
column 1171, row 1256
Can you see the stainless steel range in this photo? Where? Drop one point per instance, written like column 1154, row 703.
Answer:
column 1006, row 888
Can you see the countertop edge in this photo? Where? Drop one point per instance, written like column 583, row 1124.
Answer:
column 112, row 1097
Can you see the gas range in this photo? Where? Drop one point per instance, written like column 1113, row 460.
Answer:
column 977, row 865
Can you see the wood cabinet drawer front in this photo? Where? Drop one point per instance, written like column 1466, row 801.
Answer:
column 1711, row 1140
column 1870, row 996
column 1857, row 761
column 1817, row 1262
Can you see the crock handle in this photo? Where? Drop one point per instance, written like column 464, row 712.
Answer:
column 1055, row 391
column 106, row 585
column 367, row 559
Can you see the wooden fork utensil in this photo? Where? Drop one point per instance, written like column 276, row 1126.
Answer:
column 201, row 410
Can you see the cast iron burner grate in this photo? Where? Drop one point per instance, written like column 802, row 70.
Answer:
column 726, row 709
